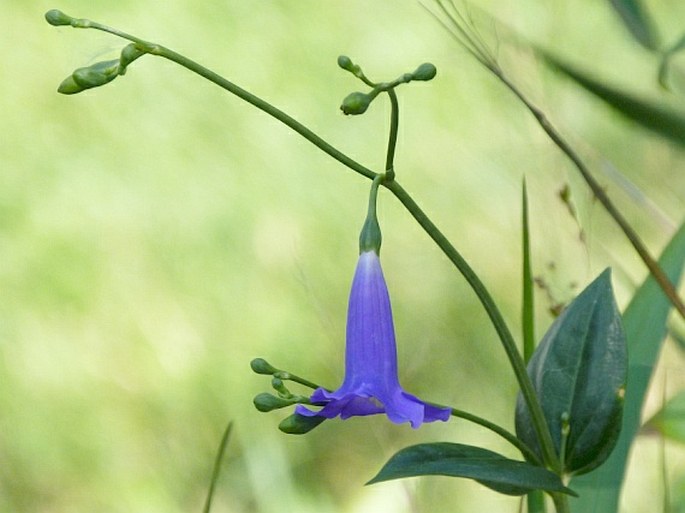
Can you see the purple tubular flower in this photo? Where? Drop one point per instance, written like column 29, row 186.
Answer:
column 371, row 382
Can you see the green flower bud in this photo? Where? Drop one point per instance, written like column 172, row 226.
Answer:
column 129, row 54
column 69, row 86
column 299, row 424
column 267, row 402
column 56, row 18
column 96, row 75
column 356, row 103
column 346, row 63
column 425, row 72
column 261, row 366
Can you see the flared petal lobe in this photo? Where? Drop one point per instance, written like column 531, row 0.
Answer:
column 371, row 383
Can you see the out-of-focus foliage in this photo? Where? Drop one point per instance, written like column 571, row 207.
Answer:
column 638, row 21
column 157, row 234
column 669, row 421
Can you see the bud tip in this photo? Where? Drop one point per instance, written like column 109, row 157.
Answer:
column 56, row 18
column 261, row 366
column 426, row 71
column 299, row 424
column 345, row 62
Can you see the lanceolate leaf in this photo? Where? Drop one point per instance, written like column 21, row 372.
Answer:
column 666, row 122
column 638, row 22
column 493, row 470
column 579, row 372
column 645, row 324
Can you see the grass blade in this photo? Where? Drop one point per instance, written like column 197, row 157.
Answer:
column 217, row 467
column 535, row 500
column 528, row 309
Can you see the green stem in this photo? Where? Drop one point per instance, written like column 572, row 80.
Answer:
column 652, row 265
column 290, row 122
column 286, row 376
column 535, row 502
column 496, row 318
column 392, row 140
column 509, row 437
column 561, row 503
column 268, row 108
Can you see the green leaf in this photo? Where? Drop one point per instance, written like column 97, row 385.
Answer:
column 638, row 22
column 493, row 470
column 579, row 372
column 666, row 122
column 670, row 420
column 645, row 324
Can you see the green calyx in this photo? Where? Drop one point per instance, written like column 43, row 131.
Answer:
column 370, row 238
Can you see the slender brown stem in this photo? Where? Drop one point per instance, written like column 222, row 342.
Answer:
column 635, row 240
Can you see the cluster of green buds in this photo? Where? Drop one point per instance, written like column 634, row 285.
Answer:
column 266, row 402
column 97, row 74
column 100, row 73
column 358, row 102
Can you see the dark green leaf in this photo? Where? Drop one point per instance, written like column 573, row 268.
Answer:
column 579, row 372
column 670, row 420
column 645, row 323
column 666, row 122
column 457, row 460
column 638, row 22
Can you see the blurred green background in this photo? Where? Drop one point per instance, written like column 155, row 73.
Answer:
column 157, row 234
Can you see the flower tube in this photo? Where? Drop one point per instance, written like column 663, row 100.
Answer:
column 371, row 383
